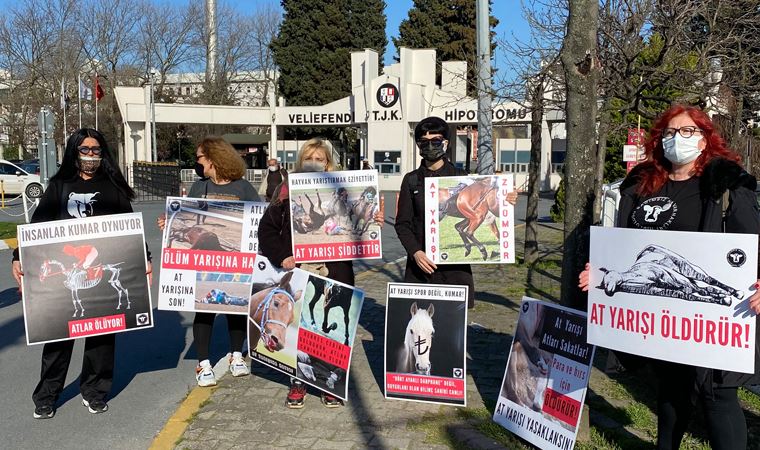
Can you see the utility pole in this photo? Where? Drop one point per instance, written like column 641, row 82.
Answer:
column 485, row 144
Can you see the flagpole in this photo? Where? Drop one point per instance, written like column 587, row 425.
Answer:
column 95, row 94
column 79, row 97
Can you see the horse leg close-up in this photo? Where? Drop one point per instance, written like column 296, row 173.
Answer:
column 345, row 320
column 460, row 226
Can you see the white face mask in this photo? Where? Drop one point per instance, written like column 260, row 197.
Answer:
column 273, row 168
column 680, row 150
column 312, row 166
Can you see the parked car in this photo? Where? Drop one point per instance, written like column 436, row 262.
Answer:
column 17, row 180
column 30, row 165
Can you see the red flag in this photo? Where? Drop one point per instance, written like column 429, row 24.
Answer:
column 99, row 93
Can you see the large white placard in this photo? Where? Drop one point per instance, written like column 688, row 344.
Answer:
column 672, row 295
column 469, row 220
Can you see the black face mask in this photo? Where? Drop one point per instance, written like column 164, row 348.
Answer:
column 431, row 149
column 199, row 170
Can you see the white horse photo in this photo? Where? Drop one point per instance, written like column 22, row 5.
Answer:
column 414, row 356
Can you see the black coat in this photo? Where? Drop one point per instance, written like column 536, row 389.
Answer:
column 410, row 228
column 276, row 242
column 742, row 216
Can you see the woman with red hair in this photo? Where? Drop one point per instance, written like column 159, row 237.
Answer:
column 682, row 185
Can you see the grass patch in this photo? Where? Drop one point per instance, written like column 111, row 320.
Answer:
column 7, row 230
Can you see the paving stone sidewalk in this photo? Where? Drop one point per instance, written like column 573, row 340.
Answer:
column 250, row 412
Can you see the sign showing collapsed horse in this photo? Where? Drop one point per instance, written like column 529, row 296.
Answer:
column 332, row 215
column 673, row 295
column 209, row 248
column 469, row 219
column 419, row 366
column 303, row 325
column 84, row 277
column 547, row 375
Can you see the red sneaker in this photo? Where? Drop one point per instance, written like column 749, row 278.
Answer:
column 296, row 395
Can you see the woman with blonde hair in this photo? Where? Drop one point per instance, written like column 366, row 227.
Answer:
column 276, row 242
column 222, row 173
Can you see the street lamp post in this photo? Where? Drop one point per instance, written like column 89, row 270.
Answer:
column 153, row 115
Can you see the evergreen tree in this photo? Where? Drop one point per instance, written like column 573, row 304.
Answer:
column 448, row 26
column 314, row 45
column 368, row 26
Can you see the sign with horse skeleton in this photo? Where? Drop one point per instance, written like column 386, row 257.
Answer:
column 425, row 343
column 208, row 251
column 303, row 325
column 84, row 277
column 674, row 295
column 332, row 215
column 455, row 210
column 547, row 375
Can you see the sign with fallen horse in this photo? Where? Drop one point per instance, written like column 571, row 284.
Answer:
column 84, row 277
column 547, row 375
column 332, row 215
column 208, row 251
column 674, row 295
column 303, row 325
column 467, row 213
column 419, row 367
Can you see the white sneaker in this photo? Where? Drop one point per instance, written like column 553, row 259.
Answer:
column 205, row 374
column 238, row 368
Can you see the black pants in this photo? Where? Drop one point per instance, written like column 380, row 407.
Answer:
column 454, row 274
column 203, row 325
column 95, row 379
column 676, row 399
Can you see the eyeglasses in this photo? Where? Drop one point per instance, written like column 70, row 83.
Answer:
column 434, row 141
column 198, row 157
column 85, row 150
column 685, row 132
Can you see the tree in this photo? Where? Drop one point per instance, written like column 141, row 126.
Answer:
column 448, row 26
column 581, row 68
column 313, row 49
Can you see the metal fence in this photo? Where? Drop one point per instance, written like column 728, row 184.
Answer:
column 155, row 180
column 255, row 176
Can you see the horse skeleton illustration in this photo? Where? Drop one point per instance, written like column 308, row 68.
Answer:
column 77, row 279
column 664, row 273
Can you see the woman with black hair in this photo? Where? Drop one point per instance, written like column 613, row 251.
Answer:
column 88, row 167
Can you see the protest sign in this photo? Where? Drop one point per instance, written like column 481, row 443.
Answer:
column 547, row 376
column 303, row 325
column 673, row 295
column 332, row 215
column 84, row 277
column 469, row 220
column 418, row 367
column 209, row 247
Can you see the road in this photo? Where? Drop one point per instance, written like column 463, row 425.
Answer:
column 154, row 368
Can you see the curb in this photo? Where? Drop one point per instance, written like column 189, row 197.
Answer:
column 8, row 243
column 175, row 427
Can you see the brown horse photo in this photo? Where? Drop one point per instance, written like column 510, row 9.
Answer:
column 474, row 204
column 271, row 311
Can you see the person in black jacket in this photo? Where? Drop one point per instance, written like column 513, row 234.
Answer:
column 274, row 176
column 87, row 168
column 682, row 185
column 431, row 136
column 276, row 242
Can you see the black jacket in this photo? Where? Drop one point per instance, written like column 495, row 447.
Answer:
column 276, row 242
column 410, row 216
column 742, row 216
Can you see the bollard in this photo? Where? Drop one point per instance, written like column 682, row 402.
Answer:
column 382, row 206
column 2, row 195
column 184, row 192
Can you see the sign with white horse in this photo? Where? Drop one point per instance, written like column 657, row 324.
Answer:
column 332, row 215
column 547, row 376
column 208, row 251
column 425, row 343
column 467, row 213
column 84, row 277
column 674, row 295
column 303, row 325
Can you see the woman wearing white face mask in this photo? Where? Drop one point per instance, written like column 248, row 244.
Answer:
column 681, row 186
column 275, row 242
